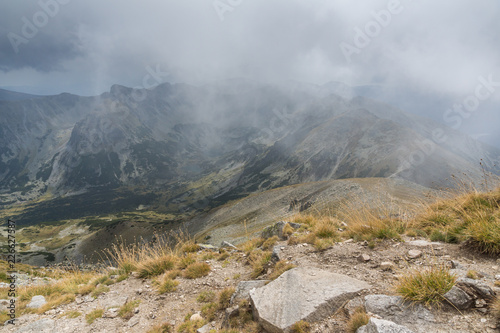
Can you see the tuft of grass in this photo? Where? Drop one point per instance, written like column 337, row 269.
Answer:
column 185, row 261
column 251, row 245
column 85, row 289
column 326, row 228
column 73, row 314
column 223, row 256
column 162, row 328
column 426, row 286
column 280, row 268
column 471, row 217
column 269, row 243
column 301, row 327
column 323, row 244
column 288, row 230
column 197, row 270
column 100, row 289
column 156, row 266
column 209, row 310
column 167, row 285
column 121, row 278
column 93, row 315
column 495, row 308
column 4, row 316
column 358, row 319
column 260, row 261
column 471, row 274
column 190, row 326
column 172, row 275
column 127, row 310
column 206, row 296
column 225, row 297
column 190, row 247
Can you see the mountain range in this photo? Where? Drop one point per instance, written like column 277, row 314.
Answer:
column 185, row 149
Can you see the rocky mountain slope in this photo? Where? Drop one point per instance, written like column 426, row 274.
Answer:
column 378, row 268
column 178, row 145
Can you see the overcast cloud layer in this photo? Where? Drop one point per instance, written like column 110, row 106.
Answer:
column 84, row 47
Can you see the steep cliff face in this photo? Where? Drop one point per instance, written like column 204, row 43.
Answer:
column 219, row 141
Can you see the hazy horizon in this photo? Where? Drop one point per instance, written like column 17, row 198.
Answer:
column 438, row 56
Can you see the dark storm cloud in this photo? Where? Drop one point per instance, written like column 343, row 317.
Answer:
column 32, row 36
column 89, row 45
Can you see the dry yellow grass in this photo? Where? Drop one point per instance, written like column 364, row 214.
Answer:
column 358, row 319
column 425, row 286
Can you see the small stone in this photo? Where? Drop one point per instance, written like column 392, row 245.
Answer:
column 196, row 317
column 36, row 302
column 475, row 288
column 497, row 277
column 351, row 306
column 230, row 313
column 204, row 329
column 480, row 303
column 275, row 256
column 387, row 266
column 243, row 290
column 139, row 291
column 111, row 313
column 383, row 326
column 364, row 257
column 79, row 300
column 458, row 298
column 350, row 240
column 414, row 254
column 132, row 322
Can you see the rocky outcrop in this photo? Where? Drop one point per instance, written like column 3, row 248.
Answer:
column 302, row 294
column 395, row 309
column 458, row 298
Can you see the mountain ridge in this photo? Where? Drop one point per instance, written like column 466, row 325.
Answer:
column 218, row 141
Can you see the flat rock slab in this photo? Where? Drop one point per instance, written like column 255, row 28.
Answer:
column 395, row 309
column 423, row 243
column 45, row 325
column 302, row 294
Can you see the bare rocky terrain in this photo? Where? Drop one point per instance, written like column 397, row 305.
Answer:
column 343, row 258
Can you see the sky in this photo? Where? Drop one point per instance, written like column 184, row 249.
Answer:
column 443, row 48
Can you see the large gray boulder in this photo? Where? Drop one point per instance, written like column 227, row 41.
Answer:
column 302, row 294
column 395, row 309
column 382, row 326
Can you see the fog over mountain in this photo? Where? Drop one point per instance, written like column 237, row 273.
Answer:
column 175, row 102
column 175, row 145
column 422, row 56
